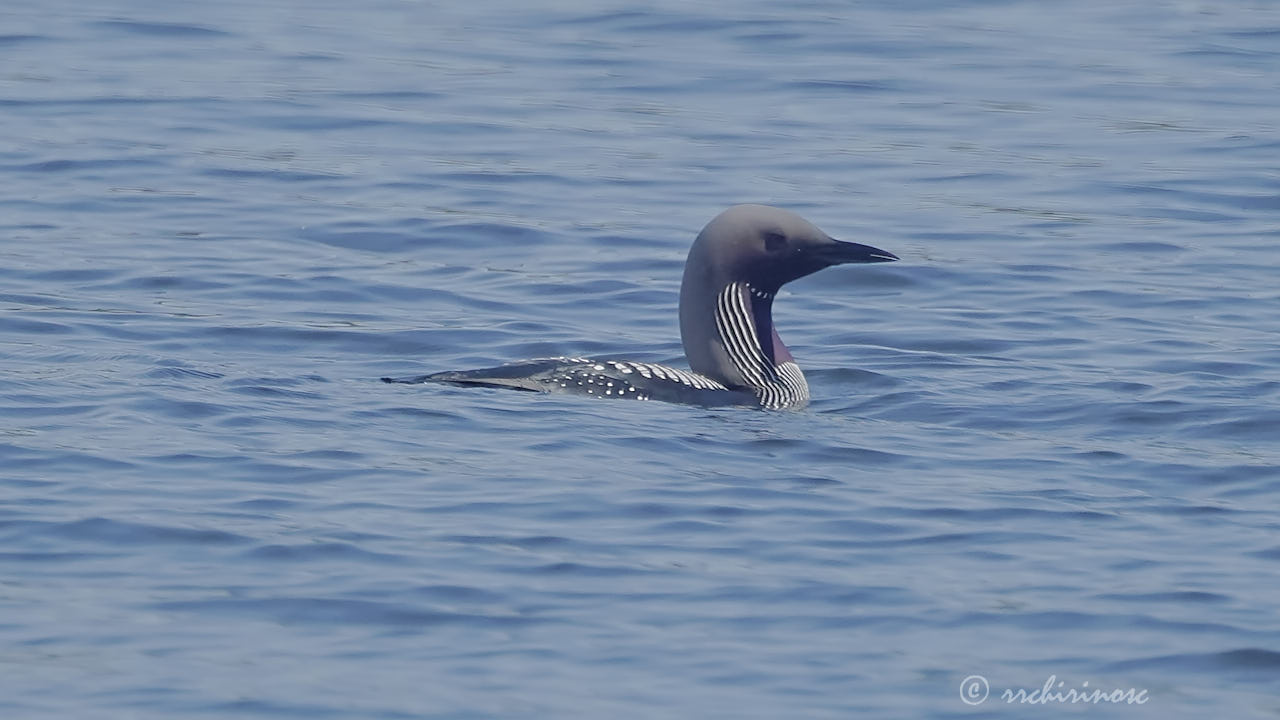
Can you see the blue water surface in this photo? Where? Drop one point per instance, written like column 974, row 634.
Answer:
column 1044, row 449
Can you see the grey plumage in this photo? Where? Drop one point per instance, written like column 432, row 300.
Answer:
column 734, row 270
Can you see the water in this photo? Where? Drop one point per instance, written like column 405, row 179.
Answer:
column 1041, row 446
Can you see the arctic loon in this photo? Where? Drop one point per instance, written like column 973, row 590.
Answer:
column 735, row 268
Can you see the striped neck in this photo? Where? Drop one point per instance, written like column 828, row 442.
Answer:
column 744, row 321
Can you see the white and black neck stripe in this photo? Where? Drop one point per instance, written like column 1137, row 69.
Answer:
column 778, row 385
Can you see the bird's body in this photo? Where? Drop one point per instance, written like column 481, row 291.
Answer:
column 734, row 270
column 599, row 378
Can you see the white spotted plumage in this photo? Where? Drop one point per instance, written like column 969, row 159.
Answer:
column 608, row 377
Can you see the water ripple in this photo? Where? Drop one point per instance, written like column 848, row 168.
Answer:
column 1042, row 443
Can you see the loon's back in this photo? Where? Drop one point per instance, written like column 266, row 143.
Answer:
column 599, row 378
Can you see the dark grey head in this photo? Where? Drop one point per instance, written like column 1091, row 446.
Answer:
column 760, row 249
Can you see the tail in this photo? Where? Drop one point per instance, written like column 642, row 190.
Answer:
column 408, row 380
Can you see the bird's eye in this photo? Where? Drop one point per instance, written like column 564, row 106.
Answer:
column 774, row 242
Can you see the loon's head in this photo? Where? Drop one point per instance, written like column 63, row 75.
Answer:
column 769, row 247
column 759, row 248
